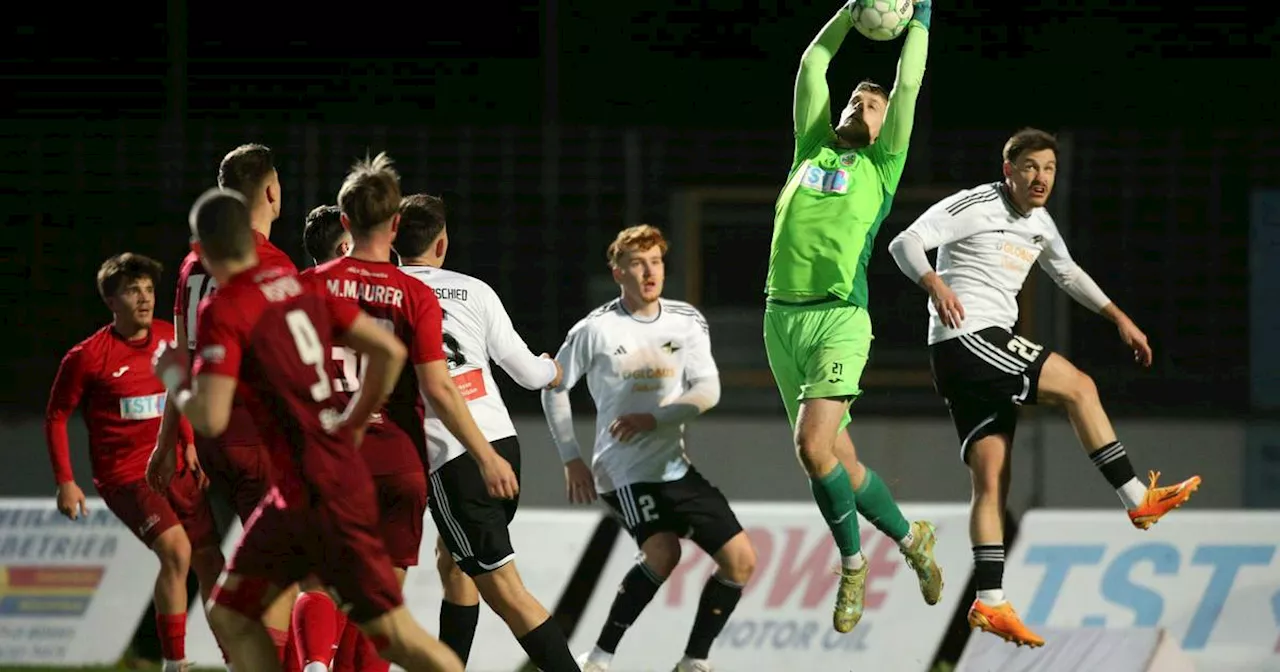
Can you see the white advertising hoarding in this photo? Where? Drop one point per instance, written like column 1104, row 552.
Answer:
column 1210, row 578
column 784, row 619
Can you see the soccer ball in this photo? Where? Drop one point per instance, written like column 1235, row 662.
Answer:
column 881, row 20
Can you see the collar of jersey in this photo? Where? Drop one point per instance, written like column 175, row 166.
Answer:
column 623, row 307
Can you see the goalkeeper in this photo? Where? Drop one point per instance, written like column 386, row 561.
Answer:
column 817, row 331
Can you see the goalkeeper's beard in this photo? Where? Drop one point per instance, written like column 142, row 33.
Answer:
column 854, row 133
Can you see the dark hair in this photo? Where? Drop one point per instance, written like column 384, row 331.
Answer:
column 220, row 222
column 125, row 268
column 422, row 218
column 871, row 87
column 246, row 169
column 322, row 232
column 1028, row 140
column 370, row 194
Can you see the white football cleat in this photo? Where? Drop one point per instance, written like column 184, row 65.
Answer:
column 690, row 666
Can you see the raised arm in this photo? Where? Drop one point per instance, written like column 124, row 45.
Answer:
column 901, row 113
column 811, row 113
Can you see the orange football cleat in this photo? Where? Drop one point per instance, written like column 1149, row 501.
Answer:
column 1160, row 501
column 1003, row 622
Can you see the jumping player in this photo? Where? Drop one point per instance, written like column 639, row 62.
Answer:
column 396, row 447
column 324, row 237
column 270, row 333
column 987, row 239
column 648, row 364
column 817, row 331
column 474, row 548
column 109, row 375
column 236, row 462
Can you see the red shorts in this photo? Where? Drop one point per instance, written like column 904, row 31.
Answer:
column 242, row 473
column 338, row 542
column 149, row 514
column 402, row 501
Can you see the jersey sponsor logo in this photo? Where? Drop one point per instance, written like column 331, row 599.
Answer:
column 670, row 347
column 147, row 407
column 649, row 373
column 117, row 374
column 470, row 384
column 825, row 181
column 622, row 350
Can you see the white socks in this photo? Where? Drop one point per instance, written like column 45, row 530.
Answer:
column 906, row 541
column 599, row 656
column 1132, row 494
column 853, row 562
column 316, row 666
column 991, row 597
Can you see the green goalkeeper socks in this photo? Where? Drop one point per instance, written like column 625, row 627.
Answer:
column 836, row 501
column 876, row 504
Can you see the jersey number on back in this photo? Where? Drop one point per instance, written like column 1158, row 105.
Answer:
column 310, row 351
column 353, row 364
column 198, row 287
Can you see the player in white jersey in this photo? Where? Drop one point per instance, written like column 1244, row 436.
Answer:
column 648, row 365
column 987, row 239
column 473, row 550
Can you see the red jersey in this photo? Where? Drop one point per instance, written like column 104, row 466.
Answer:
column 123, row 403
column 273, row 332
column 408, row 308
column 194, row 285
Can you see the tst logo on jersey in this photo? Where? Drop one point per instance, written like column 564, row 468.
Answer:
column 148, row 407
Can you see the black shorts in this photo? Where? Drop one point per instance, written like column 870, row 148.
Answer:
column 984, row 377
column 690, row 508
column 473, row 524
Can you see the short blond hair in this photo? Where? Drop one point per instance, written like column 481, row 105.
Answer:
column 370, row 194
column 635, row 239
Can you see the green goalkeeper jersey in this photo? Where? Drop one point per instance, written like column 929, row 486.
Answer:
column 828, row 214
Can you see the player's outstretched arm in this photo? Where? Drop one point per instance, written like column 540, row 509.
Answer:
column 899, row 118
column 386, row 357
column 68, row 388
column 510, row 351
column 811, row 109
column 1056, row 260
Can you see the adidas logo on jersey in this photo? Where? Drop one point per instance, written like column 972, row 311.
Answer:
column 620, row 351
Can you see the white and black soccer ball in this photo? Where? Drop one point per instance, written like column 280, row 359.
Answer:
column 881, row 20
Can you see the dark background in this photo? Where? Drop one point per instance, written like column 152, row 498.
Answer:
column 550, row 126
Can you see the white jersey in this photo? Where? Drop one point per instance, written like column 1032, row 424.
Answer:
column 476, row 329
column 986, row 248
column 635, row 365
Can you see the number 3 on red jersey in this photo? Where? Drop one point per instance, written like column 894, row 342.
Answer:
column 353, row 364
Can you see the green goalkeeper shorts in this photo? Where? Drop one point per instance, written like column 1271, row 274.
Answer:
column 816, row 351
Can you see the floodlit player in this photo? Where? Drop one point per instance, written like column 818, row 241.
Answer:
column 236, row 462
column 271, row 333
column 474, row 547
column 109, row 375
column 988, row 238
column 324, row 236
column 648, row 364
column 396, row 445
column 817, row 329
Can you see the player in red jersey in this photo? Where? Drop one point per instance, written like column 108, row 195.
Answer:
column 369, row 202
column 267, row 336
column 236, row 462
column 109, row 374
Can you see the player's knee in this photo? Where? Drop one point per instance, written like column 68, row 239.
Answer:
column 1083, row 389
column 662, row 553
column 174, row 551
column 738, row 559
column 987, row 458
column 228, row 624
